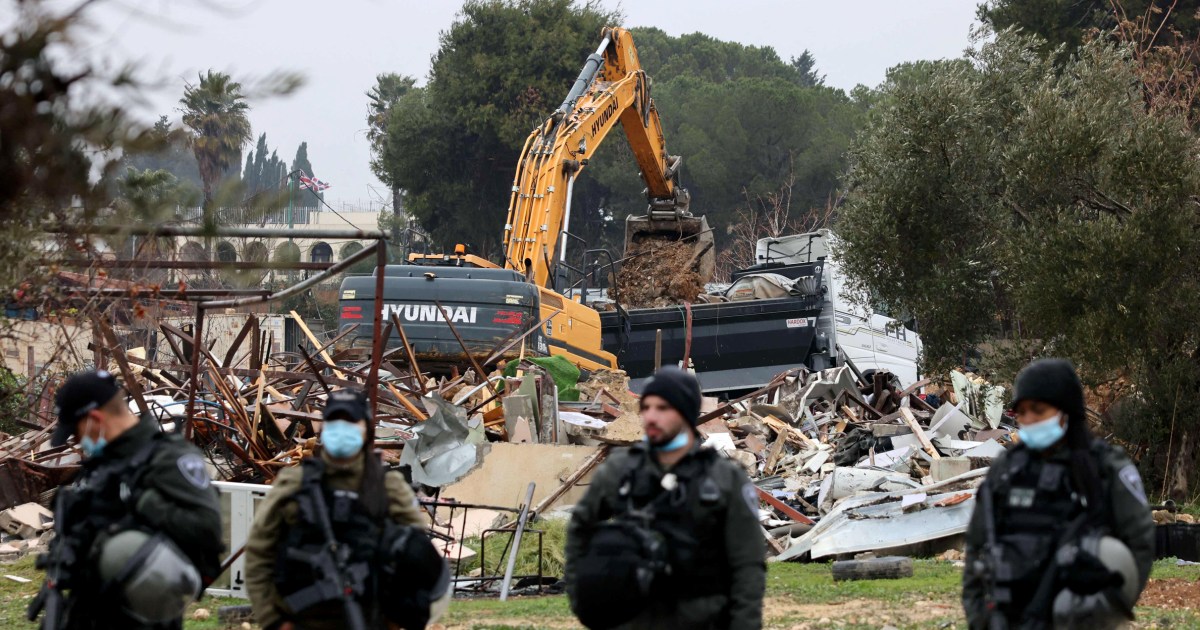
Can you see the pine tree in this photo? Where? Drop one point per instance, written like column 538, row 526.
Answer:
column 304, row 198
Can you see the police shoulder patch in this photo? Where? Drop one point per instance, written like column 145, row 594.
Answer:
column 191, row 466
column 1133, row 482
column 750, row 495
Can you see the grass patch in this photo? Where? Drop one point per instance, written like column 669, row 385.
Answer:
column 554, row 542
column 814, row 583
column 791, row 587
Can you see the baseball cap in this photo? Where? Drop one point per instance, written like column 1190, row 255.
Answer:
column 81, row 393
column 347, row 404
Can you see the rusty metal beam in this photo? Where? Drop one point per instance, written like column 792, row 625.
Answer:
column 118, row 353
column 230, row 232
column 303, row 285
column 188, row 265
column 378, row 338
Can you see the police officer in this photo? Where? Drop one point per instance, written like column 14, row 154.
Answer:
column 1061, row 533
column 138, row 531
column 373, row 514
column 667, row 535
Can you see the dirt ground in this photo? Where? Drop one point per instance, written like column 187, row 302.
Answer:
column 782, row 613
column 1172, row 593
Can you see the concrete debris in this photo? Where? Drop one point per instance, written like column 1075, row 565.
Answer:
column 873, row 464
column 843, row 461
column 27, row 521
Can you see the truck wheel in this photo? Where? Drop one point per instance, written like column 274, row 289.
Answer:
column 887, row 568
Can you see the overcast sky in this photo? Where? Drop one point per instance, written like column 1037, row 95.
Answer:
column 341, row 46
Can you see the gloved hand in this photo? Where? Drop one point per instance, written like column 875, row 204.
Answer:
column 1087, row 575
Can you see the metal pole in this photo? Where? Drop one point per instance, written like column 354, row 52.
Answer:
column 197, row 340
column 566, row 226
column 377, row 331
column 232, row 232
column 291, row 226
column 301, row 286
column 516, row 545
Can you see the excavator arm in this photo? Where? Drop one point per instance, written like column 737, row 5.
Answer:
column 611, row 88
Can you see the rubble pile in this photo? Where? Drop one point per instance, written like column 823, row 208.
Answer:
column 847, row 463
column 659, row 271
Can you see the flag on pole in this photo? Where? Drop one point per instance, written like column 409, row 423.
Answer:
column 312, row 183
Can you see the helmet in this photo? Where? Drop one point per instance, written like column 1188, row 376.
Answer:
column 154, row 578
column 1109, row 608
column 414, row 576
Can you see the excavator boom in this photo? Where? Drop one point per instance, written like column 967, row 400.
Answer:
column 611, row 88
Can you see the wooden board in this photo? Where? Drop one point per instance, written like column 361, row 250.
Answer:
column 906, row 414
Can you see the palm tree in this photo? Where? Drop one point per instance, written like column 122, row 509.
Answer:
column 215, row 111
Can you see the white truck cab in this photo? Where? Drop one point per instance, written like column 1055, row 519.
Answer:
column 870, row 340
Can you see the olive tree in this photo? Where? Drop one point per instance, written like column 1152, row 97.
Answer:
column 1022, row 208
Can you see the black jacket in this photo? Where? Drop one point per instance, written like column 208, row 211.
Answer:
column 731, row 522
column 1127, row 511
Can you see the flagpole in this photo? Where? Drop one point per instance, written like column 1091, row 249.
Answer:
column 291, row 227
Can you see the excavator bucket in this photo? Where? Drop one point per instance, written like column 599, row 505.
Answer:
column 647, row 231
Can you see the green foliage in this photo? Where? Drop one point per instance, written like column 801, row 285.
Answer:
column 216, row 111
column 169, row 151
column 55, row 136
column 1035, row 210
column 303, row 197
column 1067, row 23
column 554, row 542
column 13, row 402
column 745, row 136
column 501, row 68
column 389, row 88
column 263, row 174
column 743, row 119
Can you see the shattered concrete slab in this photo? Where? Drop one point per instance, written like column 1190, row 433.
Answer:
column 27, row 521
column 505, row 470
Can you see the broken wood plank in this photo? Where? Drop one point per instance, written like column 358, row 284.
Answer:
column 783, row 508
column 316, row 344
column 906, row 413
column 773, row 455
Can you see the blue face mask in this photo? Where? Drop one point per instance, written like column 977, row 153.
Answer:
column 341, row 439
column 679, row 441
column 92, row 448
column 1040, row 436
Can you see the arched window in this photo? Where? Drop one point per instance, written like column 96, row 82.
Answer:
column 349, row 249
column 287, row 252
column 192, row 251
column 226, row 252
column 322, row 253
column 255, row 251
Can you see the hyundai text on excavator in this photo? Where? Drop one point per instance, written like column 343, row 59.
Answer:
column 450, row 302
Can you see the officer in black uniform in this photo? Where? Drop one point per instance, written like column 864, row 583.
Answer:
column 140, row 516
column 667, row 535
column 343, row 497
column 1062, row 533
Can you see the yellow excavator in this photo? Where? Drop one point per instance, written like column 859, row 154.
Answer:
column 487, row 303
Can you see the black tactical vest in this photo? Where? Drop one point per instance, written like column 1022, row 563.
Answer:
column 354, row 525
column 1035, row 502
column 690, row 517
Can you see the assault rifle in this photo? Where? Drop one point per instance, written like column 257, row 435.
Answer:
column 57, row 563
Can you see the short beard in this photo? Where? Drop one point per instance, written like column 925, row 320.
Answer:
column 665, row 439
